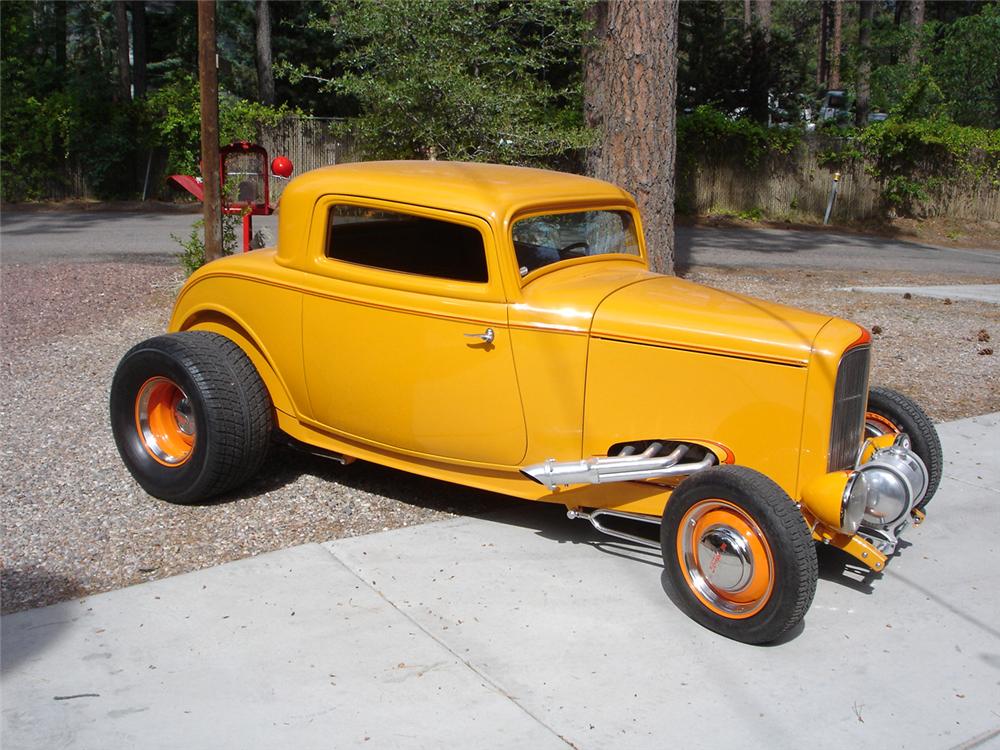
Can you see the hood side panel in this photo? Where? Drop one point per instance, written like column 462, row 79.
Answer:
column 671, row 312
column 753, row 408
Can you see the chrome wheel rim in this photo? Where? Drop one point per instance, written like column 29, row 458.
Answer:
column 725, row 559
column 165, row 421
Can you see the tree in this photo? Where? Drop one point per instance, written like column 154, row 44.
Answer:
column 822, row 64
column 917, row 19
column 121, row 31
column 484, row 81
column 866, row 10
column 760, row 62
column 630, row 89
column 139, row 48
column 265, row 75
column 837, row 45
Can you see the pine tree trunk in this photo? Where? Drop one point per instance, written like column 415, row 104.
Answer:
column 836, row 46
column 760, row 62
column 60, row 9
column 822, row 73
column 917, row 19
column 866, row 10
column 139, row 47
column 121, row 29
column 630, row 90
column 265, row 73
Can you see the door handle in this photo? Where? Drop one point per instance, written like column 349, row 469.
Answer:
column 486, row 336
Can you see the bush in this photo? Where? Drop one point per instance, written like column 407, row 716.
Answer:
column 707, row 132
column 173, row 114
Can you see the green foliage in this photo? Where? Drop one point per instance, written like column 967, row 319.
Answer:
column 910, row 158
column 174, row 116
column 745, row 71
column 707, row 132
column 452, row 79
column 957, row 75
column 192, row 255
column 53, row 114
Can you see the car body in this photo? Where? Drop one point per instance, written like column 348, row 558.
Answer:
column 499, row 327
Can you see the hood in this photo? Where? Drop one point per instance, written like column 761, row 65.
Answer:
column 670, row 312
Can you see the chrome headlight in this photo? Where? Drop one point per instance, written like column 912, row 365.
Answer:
column 897, row 480
column 854, row 502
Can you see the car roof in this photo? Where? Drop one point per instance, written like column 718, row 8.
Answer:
column 487, row 190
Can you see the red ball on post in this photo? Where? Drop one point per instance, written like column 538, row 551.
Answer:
column 281, row 166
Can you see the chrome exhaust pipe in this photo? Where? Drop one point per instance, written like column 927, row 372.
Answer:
column 595, row 520
column 624, row 467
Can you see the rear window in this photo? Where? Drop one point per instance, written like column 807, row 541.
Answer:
column 396, row 241
column 542, row 240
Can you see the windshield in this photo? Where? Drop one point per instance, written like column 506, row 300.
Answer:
column 542, row 240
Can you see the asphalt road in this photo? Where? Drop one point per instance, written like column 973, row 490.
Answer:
column 99, row 236
column 42, row 236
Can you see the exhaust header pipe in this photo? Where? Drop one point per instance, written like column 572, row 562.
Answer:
column 624, row 467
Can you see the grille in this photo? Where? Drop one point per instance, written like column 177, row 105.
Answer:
column 850, row 397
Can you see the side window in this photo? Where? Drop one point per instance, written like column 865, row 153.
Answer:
column 396, row 241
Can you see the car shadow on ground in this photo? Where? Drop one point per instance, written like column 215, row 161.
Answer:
column 547, row 520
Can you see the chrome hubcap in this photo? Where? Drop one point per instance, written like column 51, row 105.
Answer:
column 725, row 559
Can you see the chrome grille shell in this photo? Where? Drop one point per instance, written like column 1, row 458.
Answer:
column 850, row 399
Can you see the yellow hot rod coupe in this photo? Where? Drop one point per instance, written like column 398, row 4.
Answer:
column 499, row 327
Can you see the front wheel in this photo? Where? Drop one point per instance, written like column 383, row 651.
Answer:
column 190, row 415
column 739, row 558
column 889, row 412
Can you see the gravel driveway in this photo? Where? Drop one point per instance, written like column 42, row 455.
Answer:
column 74, row 523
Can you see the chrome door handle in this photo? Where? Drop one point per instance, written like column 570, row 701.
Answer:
column 486, row 336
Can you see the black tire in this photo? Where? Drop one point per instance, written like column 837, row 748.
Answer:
column 191, row 417
column 738, row 506
column 903, row 415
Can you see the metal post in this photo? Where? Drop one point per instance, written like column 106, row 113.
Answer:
column 247, row 231
column 209, row 79
column 833, row 196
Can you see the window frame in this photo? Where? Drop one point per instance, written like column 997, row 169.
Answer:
column 490, row 290
column 550, row 267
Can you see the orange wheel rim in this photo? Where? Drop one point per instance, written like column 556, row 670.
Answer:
column 725, row 558
column 165, row 421
column 876, row 424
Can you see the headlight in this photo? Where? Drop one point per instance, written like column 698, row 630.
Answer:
column 897, row 479
column 890, row 498
column 854, row 502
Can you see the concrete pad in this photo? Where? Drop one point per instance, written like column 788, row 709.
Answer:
column 284, row 650
column 578, row 630
column 972, row 450
column 971, row 292
column 524, row 629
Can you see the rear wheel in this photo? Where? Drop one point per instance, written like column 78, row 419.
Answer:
column 190, row 415
column 889, row 412
column 738, row 555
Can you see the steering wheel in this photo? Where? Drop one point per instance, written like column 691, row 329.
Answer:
column 572, row 250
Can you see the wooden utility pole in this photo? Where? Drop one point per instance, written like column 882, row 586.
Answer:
column 630, row 88
column 209, row 79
